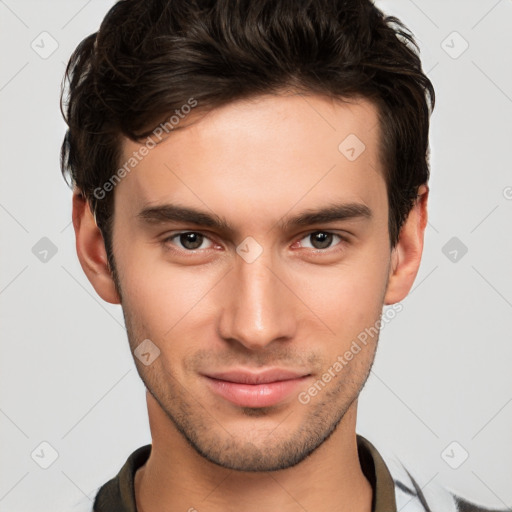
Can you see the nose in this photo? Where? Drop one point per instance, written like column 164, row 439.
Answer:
column 258, row 307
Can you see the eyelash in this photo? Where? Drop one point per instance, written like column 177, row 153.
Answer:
column 167, row 240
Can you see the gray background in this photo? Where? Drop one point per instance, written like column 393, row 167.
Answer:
column 442, row 372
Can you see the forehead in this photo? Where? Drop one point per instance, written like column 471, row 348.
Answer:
column 272, row 151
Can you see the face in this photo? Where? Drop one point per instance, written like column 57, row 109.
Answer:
column 252, row 250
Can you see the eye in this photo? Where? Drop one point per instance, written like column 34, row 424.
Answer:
column 320, row 240
column 189, row 240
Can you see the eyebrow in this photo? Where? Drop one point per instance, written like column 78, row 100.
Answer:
column 165, row 213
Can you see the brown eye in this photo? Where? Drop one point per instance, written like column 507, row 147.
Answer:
column 191, row 240
column 188, row 241
column 319, row 240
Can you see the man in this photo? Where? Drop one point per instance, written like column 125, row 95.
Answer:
column 250, row 184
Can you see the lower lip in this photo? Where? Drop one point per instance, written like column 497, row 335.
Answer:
column 255, row 395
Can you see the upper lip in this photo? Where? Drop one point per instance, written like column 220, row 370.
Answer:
column 262, row 377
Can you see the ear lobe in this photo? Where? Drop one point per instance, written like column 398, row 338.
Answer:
column 406, row 255
column 90, row 248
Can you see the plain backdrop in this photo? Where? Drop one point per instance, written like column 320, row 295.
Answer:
column 442, row 373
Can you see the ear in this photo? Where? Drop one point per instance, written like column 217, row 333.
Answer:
column 90, row 248
column 406, row 255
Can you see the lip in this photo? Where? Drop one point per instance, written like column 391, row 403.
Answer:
column 251, row 389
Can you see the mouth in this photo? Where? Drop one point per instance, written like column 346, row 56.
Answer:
column 250, row 389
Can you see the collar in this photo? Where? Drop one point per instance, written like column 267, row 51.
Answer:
column 376, row 471
column 119, row 493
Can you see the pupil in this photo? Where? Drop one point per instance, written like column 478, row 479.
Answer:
column 191, row 240
column 321, row 240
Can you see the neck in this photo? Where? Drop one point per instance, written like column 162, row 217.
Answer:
column 176, row 477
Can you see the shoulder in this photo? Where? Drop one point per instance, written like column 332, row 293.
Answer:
column 118, row 490
column 428, row 497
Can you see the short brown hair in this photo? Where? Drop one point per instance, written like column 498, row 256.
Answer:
column 150, row 57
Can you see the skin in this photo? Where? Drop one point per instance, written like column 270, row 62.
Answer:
column 255, row 163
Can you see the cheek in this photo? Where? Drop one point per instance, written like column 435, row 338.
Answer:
column 162, row 298
column 349, row 297
column 157, row 300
